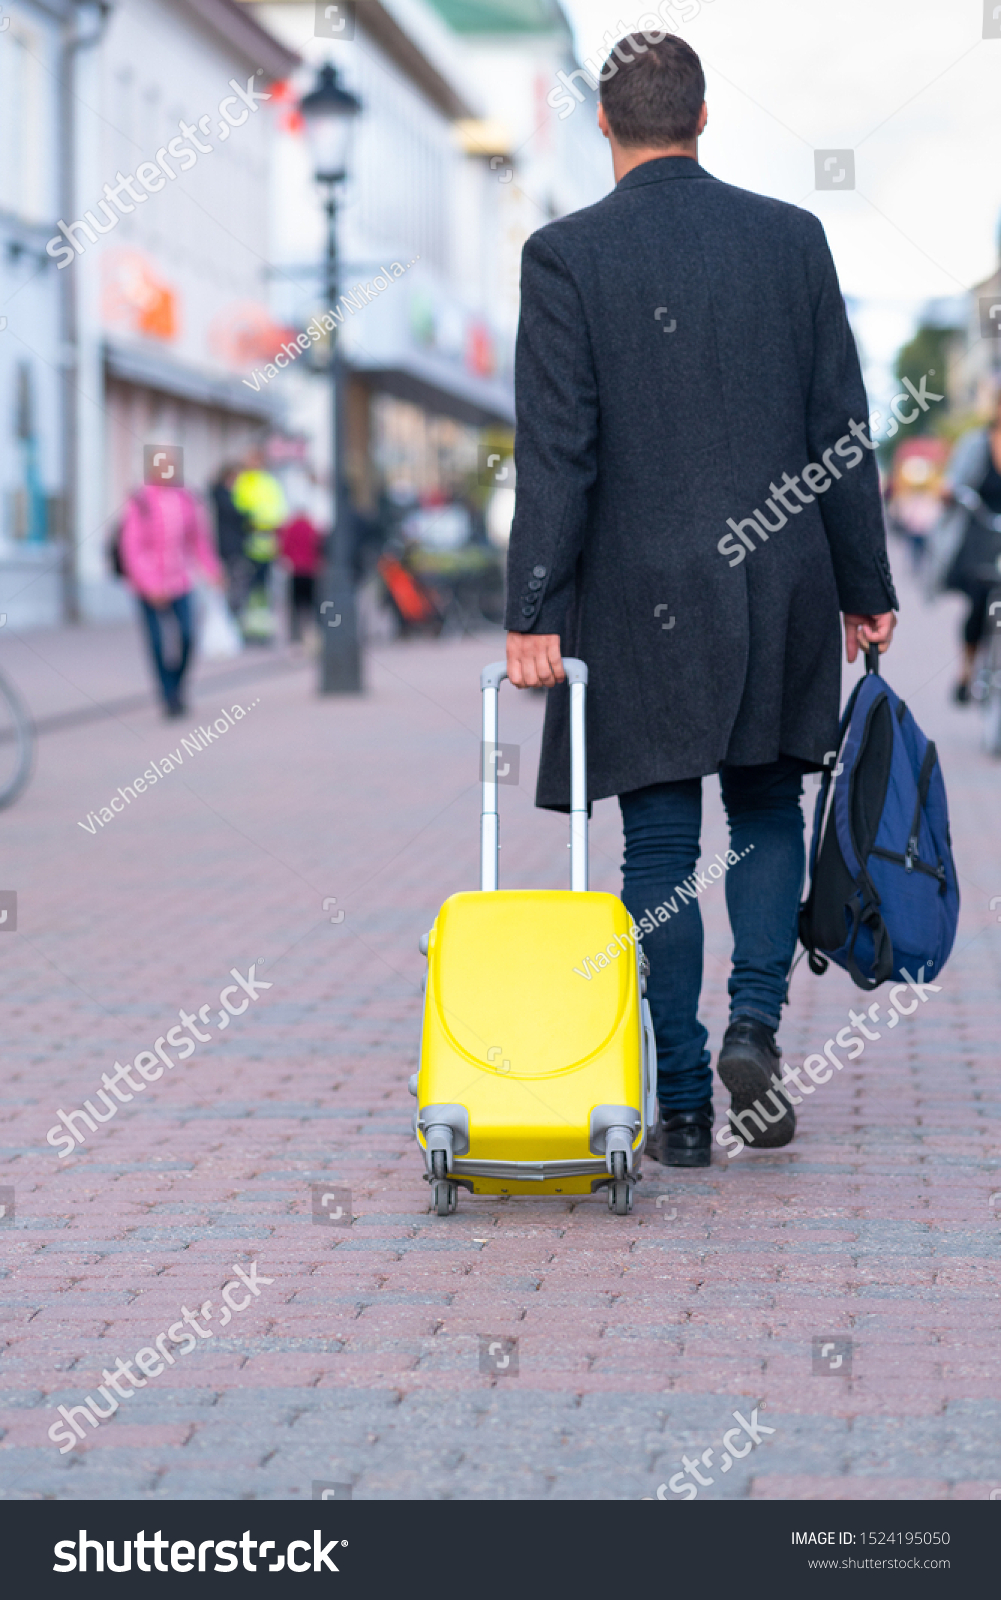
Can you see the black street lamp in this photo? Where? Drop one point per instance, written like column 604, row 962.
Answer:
column 328, row 114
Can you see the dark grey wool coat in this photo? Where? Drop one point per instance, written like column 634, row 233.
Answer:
column 683, row 344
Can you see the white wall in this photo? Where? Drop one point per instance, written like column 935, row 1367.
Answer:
column 29, row 298
column 203, row 235
column 402, row 166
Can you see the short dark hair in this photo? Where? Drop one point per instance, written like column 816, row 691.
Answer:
column 653, row 99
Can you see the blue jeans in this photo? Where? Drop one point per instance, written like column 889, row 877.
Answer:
column 662, row 825
column 170, row 672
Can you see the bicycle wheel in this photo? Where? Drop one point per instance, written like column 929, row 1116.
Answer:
column 17, row 743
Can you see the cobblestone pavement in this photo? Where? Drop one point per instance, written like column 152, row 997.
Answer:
column 356, row 1362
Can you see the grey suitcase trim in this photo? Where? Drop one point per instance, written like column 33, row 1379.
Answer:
column 445, row 1127
column 530, row 1171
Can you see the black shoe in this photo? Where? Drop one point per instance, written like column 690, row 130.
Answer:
column 685, row 1138
column 962, row 694
column 760, row 1113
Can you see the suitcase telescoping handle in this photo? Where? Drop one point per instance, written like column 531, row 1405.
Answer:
column 491, row 679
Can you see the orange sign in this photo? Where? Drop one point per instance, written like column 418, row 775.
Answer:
column 134, row 294
column 245, row 333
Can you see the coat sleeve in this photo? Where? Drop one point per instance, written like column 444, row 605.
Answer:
column 556, row 401
column 852, row 506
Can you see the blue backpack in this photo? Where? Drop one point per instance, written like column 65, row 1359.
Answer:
column 883, row 889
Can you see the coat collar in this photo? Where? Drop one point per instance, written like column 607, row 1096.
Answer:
column 662, row 168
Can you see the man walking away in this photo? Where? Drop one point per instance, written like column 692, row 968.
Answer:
column 232, row 527
column 697, row 497
column 165, row 546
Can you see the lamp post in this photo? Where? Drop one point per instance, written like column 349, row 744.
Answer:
column 328, row 114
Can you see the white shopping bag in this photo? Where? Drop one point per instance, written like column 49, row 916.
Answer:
column 219, row 635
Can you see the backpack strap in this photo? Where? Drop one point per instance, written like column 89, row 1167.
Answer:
column 828, row 772
column 924, row 780
column 817, row 962
column 927, row 767
column 865, row 913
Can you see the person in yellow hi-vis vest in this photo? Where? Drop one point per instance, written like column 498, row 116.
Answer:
column 258, row 494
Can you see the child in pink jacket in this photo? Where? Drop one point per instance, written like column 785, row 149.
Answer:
column 165, row 548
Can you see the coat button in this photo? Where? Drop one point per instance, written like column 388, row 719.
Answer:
column 528, row 611
column 535, row 583
column 538, row 572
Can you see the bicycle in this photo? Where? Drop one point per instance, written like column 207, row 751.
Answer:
column 17, row 743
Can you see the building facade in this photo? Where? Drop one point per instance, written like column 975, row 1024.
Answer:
column 31, row 353
column 161, row 236
column 456, row 159
column 173, row 286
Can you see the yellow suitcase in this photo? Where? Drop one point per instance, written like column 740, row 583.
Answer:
column 538, row 1061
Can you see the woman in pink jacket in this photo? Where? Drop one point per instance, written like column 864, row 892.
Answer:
column 165, row 547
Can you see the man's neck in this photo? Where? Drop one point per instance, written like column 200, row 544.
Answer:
column 625, row 157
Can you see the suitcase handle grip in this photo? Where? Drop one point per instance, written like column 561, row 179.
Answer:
column 491, row 679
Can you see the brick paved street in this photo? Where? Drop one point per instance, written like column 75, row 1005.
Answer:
column 358, row 1360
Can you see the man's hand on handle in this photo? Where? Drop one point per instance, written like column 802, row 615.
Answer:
column 861, row 632
column 534, row 660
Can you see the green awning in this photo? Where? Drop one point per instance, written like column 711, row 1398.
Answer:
column 501, row 16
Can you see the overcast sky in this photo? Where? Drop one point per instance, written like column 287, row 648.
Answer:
column 911, row 86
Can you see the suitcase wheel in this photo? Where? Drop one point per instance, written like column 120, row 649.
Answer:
column 620, row 1197
column 445, row 1196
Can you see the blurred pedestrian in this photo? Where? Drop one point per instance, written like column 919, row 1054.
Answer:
column 258, row 494
column 165, row 546
column 967, row 548
column 914, row 493
column 232, row 530
column 647, row 435
column 300, row 548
